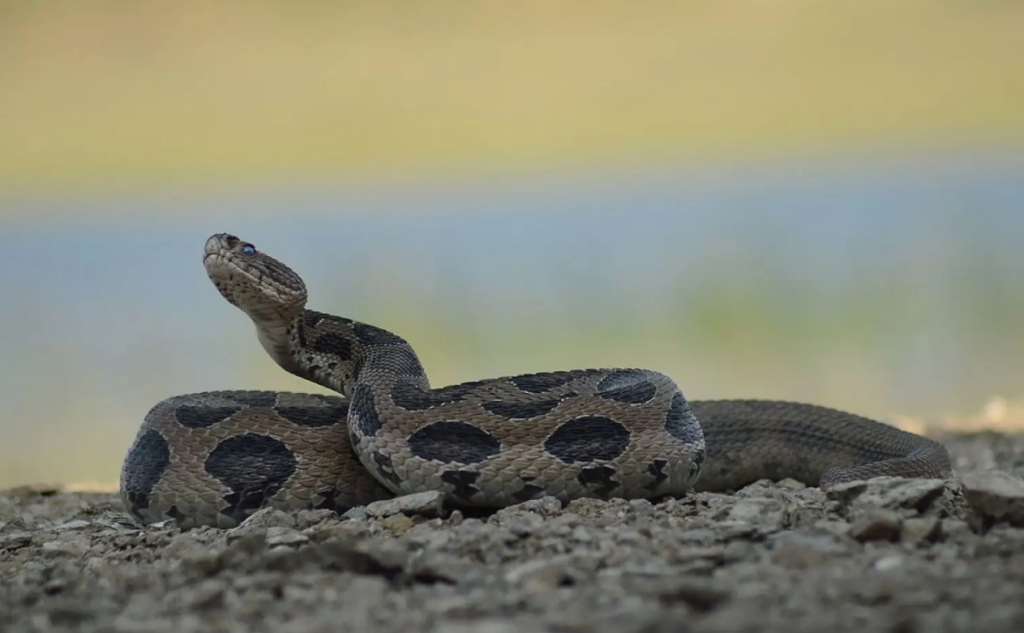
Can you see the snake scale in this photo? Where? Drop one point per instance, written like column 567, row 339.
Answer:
column 214, row 458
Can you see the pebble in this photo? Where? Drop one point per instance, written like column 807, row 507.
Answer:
column 428, row 504
column 878, row 524
column 995, row 495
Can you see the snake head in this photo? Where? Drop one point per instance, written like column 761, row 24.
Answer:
column 253, row 281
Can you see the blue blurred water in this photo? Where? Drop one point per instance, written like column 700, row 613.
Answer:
column 86, row 301
column 815, row 224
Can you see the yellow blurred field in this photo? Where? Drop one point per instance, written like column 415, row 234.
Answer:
column 123, row 95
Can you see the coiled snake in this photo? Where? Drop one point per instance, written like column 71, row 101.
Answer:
column 214, row 458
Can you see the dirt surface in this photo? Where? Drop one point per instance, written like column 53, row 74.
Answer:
column 886, row 555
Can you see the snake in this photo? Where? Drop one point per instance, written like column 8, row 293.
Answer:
column 216, row 457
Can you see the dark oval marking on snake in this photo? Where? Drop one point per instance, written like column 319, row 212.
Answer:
column 334, row 343
column 621, row 378
column 600, row 479
column 520, row 410
column 681, row 423
column 453, row 442
column 364, row 411
column 375, row 336
column 255, row 467
column 463, row 483
column 656, row 469
column 587, row 439
column 540, row 383
column 144, row 468
column 195, row 417
column 264, row 399
column 413, row 398
column 631, row 394
column 177, row 515
column 314, row 416
column 629, row 386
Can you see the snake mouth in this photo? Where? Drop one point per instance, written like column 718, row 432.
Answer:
column 218, row 243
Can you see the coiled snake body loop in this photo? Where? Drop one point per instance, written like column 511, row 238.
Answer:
column 213, row 458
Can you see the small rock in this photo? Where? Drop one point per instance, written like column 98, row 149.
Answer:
column 285, row 536
column 386, row 552
column 837, row 528
column 888, row 563
column 1002, row 540
column 545, row 506
column 428, row 504
column 428, row 536
column 729, row 529
column 63, row 548
column 921, row 529
column 308, row 518
column 877, row 525
column 343, row 531
column 737, row 551
column 398, row 523
column 768, row 514
column 541, row 574
column 791, row 484
column 805, row 549
column 521, row 524
column 700, row 595
column 15, row 540
column 386, row 558
column 893, row 493
column 641, row 507
column 269, row 517
column 686, row 555
column 995, row 495
column 583, row 534
column 208, row 594
column 77, row 524
column 244, row 549
column 117, row 521
column 448, row 569
column 355, row 514
column 955, row 530
column 485, row 625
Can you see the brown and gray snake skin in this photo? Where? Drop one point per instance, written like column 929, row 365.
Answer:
column 214, row 458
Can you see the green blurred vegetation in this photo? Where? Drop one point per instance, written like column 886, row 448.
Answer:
column 861, row 354
column 120, row 94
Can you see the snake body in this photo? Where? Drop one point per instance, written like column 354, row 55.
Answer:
column 214, row 458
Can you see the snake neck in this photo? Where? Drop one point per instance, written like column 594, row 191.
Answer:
column 339, row 354
column 276, row 338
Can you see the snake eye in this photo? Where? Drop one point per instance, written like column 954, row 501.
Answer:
column 248, row 249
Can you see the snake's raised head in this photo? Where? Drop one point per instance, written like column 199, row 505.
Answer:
column 253, row 281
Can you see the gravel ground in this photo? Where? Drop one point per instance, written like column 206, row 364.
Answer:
column 886, row 555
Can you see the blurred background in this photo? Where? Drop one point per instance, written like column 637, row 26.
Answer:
column 799, row 199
